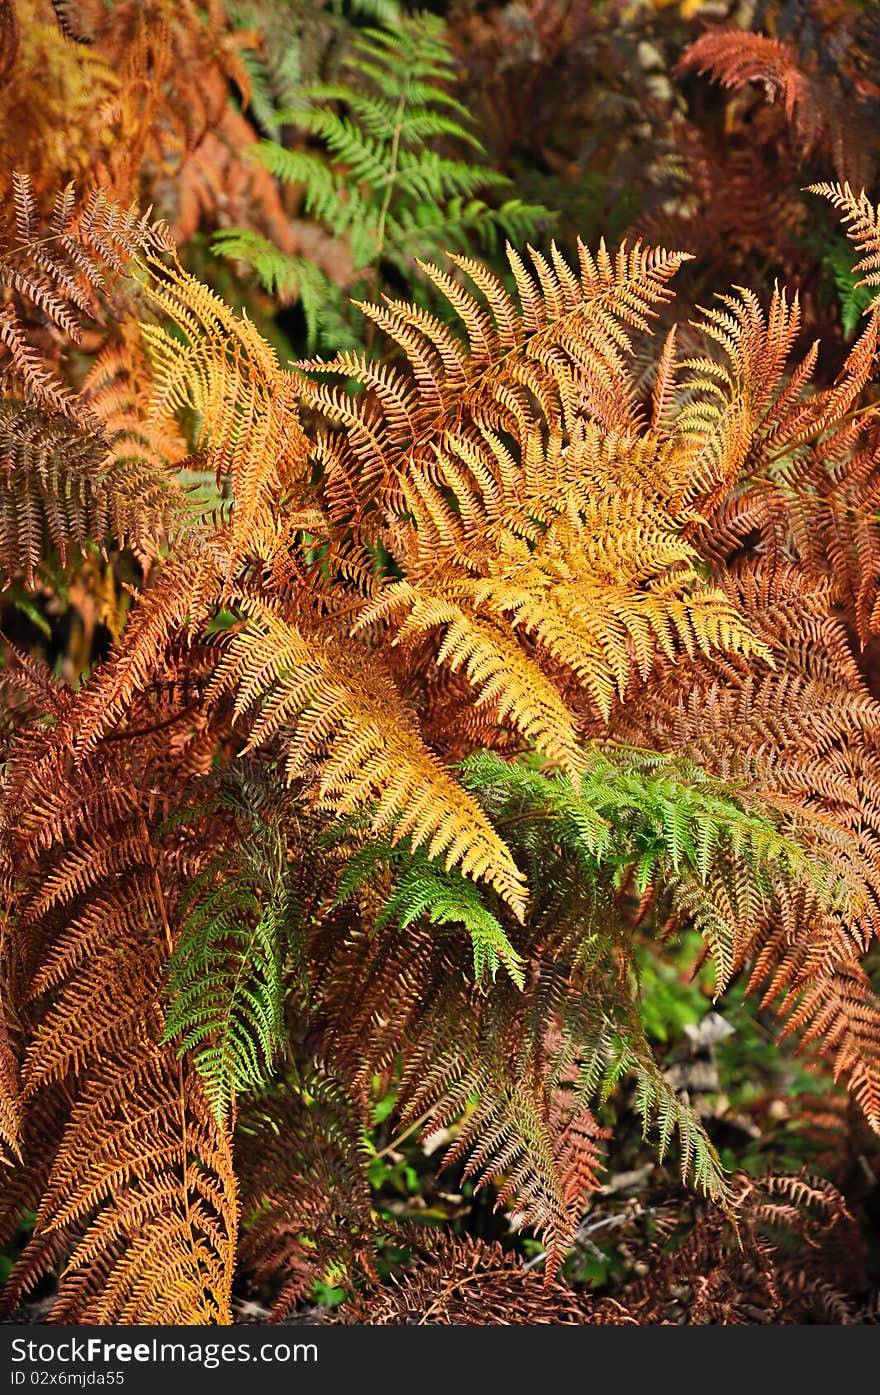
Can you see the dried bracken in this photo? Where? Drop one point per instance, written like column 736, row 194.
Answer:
column 480, row 668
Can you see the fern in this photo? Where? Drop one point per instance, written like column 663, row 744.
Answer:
column 854, row 298
column 619, row 1050
column 298, row 41
column 443, row 896
column 379, row 178
column 512, row 669
column 632, row 818
column 226, row 982
column 642, row 812
column 862, row 223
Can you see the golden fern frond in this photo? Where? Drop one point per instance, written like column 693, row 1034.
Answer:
column 221, row 368
column 593, row 574
column 862, row 222
column 524, row 511
column 331, row 704
column 507, row 680
column 10, row 1084
column 739, row 414
column 138, row 1197
column 155, row 1201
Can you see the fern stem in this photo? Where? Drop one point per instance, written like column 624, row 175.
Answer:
column 405, row 1133
column 392, row 174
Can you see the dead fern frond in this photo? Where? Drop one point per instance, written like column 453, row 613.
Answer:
column 469, row 1283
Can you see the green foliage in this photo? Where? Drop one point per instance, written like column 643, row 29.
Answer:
column 226, row 980
column 853, row 296
column 423, row 887
column 635, row 816
column 299, row 40
column 376, row 174
column 669, row 999
column 658, row 821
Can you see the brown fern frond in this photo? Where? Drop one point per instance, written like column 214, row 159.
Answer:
column 793, row 1244
column 143, row 1216
column 837, row 1006
column 139, row 104
column 295, row 1225
column 501, row 1094
column 495, row 539
column 474, row 1284
column 182, row 595
column 56, row 276
column 805, row 732
column 734, row 58
column 819, row 112
column 67, row 486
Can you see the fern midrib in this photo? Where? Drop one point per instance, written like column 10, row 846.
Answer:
column 402, row 103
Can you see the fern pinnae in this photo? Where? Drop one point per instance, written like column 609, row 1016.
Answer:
column 381, row 183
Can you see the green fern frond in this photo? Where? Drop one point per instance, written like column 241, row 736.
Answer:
column 853, row 295
column 619, row 1054
column 631, row 814
column 443, row 896
column 226, row 982
column 666, row 824
column 290, row 278
column 630, row 803
column 383, row 177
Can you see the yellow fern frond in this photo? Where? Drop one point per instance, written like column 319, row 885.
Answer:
column 589, row 567
column 862, row 222
column 332, row 705
column 225, row 371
